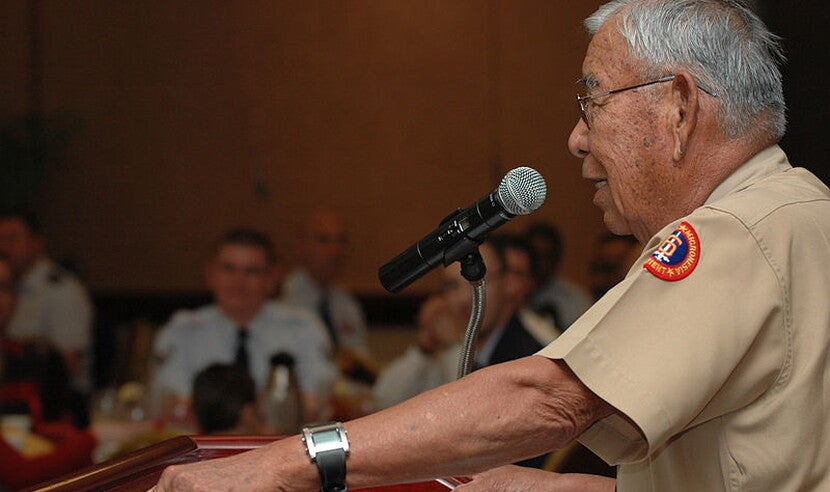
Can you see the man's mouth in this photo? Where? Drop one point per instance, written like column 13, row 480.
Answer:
column 600, row 184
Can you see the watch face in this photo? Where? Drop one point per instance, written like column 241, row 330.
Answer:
column 323, row 438
column 326, row 439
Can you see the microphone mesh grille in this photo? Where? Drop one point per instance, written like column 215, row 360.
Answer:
column 522, row 191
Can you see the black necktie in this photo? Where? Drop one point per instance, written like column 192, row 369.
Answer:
column 325, row 314
column 241, row 349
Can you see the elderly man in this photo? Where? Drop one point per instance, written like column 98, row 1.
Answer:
column 700, row 370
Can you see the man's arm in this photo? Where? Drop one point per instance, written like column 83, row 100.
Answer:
column 497, row 415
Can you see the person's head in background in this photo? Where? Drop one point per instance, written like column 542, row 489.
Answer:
column 546, row 241
column 612, row 259
column 21, row 240
column 243, row 273
column 323, row 245
column 224, row 401
column 459, row 293
column 520, row 266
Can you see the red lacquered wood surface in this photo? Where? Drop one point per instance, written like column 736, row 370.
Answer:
column 140, row 470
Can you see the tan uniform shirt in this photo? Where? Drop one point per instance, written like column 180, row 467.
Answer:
column 724, row 371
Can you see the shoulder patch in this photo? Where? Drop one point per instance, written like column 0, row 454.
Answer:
column 677, row 256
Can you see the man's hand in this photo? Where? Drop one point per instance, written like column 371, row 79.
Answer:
column 519, row 479
column 254, row 471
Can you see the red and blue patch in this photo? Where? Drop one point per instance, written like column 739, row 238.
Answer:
column 677, row 257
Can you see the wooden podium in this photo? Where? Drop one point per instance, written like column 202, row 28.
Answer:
column 140, row 470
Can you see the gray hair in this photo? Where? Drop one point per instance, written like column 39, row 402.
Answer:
column 722, row 43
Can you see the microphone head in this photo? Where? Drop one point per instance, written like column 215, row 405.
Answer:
column 522, row 191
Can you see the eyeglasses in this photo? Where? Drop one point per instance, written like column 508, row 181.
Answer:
column 584, row 101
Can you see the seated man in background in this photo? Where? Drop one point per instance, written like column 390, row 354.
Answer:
column 53, row 305
column 225, row 401
column 501, row 337
column 322, row 249
column 243, row 326
column 554, row 294
column 42, row 450
column 519, row 283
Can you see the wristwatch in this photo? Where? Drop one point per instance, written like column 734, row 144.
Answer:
column 328, row 446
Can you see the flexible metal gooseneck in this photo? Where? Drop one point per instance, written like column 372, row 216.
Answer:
column 472, row 269
column 465, row 364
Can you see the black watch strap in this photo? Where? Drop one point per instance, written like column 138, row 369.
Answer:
column 332, row 467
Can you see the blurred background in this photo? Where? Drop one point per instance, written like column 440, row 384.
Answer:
column 142, row 129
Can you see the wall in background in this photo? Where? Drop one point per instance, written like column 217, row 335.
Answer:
column 197, row 116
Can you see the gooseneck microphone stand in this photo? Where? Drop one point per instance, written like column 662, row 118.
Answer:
column 472, row 269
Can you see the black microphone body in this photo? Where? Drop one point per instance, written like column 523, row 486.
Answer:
column 458, row 235
column 520, row 192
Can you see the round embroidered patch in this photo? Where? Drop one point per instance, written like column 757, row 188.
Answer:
column 677, row 256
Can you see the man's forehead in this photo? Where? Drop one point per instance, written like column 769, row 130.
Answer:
column 236, row 253
column 606, row 58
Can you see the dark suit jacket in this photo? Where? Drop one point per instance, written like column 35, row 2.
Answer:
column 516, row 342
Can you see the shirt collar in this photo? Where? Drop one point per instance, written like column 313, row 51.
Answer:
column 769, row 161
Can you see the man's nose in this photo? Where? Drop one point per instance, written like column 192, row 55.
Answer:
column 578, row 139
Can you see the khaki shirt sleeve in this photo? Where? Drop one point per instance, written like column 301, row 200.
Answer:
column 671, row 354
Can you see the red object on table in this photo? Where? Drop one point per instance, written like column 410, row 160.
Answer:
column 25, row 392
column 140, row 470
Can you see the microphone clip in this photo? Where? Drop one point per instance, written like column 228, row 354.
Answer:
column 472, row 266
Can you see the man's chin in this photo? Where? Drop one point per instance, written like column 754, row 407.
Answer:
column 616, row 224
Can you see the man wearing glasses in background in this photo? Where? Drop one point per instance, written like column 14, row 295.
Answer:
column 702, row 370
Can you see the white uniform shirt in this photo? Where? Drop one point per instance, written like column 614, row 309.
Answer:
column 193, row 340
column 346, row 314
column 723, row 371
column 53, row 304
column 569, row 299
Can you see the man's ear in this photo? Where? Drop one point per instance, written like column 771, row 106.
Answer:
column 685, row 108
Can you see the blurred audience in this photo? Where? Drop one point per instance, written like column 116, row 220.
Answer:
column 555, row 294
column 322, row 253
column 31, row 449
column 225, row 401
column 53, row 305
column 519, row 283
column 613, row 257
column 510, row 330
column 243, row 326
column 441, row 322
column 431, row 362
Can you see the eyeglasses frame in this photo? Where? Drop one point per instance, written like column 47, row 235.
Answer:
column 584, row 100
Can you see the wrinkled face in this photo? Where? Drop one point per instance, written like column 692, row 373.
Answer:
column 459, row 293
column 627, row 150
column 19, row 244
column 327, row 241
column 241, row 278
column 8, row 295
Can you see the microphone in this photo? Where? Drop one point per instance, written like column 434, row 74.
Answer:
column 521, row 191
